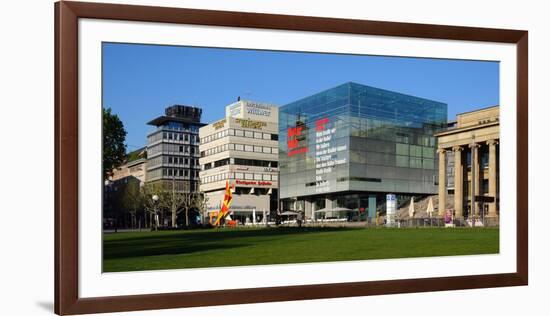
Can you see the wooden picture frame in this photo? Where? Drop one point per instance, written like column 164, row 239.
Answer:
column 67, row 14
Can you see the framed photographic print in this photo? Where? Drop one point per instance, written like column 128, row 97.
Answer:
column 228, row 157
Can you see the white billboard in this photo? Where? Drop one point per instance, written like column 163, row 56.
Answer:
column 391, row 209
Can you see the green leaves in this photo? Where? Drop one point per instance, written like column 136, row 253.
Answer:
column 114, row 135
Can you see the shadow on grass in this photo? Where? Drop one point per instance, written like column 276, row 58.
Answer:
column 187, row 242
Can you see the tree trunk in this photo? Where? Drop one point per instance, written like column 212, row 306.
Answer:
column 174, row 216
column 186, row 217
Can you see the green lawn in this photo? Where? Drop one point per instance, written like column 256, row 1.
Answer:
column 133, row 251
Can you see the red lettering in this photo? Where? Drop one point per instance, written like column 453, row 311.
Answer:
column 302, row 150
column 320, row 124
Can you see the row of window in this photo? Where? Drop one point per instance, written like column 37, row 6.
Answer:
column 186, row 137
column 414, row 162
column 239, row 176
column 177, row 172
column 173, row 148
column 176, row 160
column 241, row 162
column 414, row 150
column 239, row 133
column 240, row 147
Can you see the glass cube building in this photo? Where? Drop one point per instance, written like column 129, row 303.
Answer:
column 347, row 147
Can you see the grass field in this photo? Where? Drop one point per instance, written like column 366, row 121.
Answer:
column 134, row 251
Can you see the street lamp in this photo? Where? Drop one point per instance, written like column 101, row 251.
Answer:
column 155, row 199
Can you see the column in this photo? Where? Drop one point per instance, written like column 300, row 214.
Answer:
column 474, row 177
column 328, row 206
column 372, row 207
column 492, row 176
column 442, row 181
column 458, row 182
column 308, row 211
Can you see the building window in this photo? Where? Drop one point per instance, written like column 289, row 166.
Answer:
column 415, row 162
column 274, row 137
column 164, row 135
column 402, row 161
column 181, row 136
column 249, row 134
column 428, row 164
column 169, row 159
column 181, row 149
column 248, row 148
column 248, row 176
column 181, row 172
column 415, row 151
column 485, row 186
column 239, row 133
column 186, row 137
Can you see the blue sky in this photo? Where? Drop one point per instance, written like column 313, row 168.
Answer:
column 139, row 81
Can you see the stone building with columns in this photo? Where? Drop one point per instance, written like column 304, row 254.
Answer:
column 469, row 155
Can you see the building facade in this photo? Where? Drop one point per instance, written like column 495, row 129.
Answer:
column 134, row 168
column 123, row 184
column 476, row 134
column 242, row 148
column 173, row 149
column 342, row 150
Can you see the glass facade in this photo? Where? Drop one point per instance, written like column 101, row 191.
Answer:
column 355, row 138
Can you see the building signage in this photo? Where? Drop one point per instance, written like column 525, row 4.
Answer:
column 219, row 124
column 326, row 154
column 235, row 109
column 245, row 123
column 246, row 182
column 247, row 108
column 258, row 109
column 294, row 134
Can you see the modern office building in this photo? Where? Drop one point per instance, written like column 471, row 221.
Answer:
column 242, row 148
column 173, row 149
column 343, row 150
column 475, row 134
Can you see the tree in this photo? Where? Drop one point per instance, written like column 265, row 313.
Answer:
column 114, row 135
column 176, row 202
column 200, row 201
column 132, row 199
column 149, row 205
